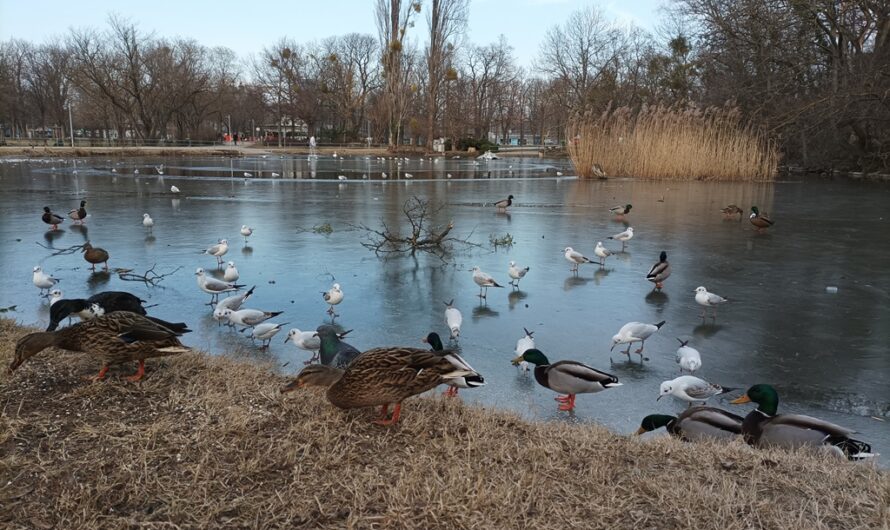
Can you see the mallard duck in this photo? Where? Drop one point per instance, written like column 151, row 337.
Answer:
column 115, row 338
column 762, row 427
column 109, row 301
column 696, row 424
column 468, row 381
column 51, row 219
column 621, row 210
column 660, row 272
column 383, row 376
column 332, row 350
column 503, row 204
column 94, row 255
column 731, row 210
column 567, row 377
column 761, row 221
column 78, row 214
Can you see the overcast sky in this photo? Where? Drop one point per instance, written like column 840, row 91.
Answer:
column 248, row 26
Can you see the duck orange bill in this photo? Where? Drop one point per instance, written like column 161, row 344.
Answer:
column 517, row 360
column 293, row 385
column 640, row 431
column 742, row 399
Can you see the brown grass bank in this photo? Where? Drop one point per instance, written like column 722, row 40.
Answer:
column 672, row 143
column 208, row 442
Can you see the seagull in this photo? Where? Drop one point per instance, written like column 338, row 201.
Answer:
column 624, row 237
column 706, row 299
column 246, row 174
column 214, row 287
column 249, row 317
column 688, row 357
column 484, row 281
column 135, row 171
column 516, row 273
column 503, row 204
column 42, row 280
column 274, row 174
column 335, row 154
column 219, row 250
column 559, row 173
column 575, row 258
column 174, row 189
column 409, row 176
column 660, row 271
column 333, row 297
column 383, row 175
column 231, row 274
column 602, row 253
column 78, row 214
column 51, row 219
column 453, row 319
column 621, row 211
column 147, row 221
column 527, row 342
column 341, row 177
column 305, row 340
column 690, row 389
column 265, row 332
column 160, row 169
column 634, row 332
column 233, row 303
column 448, row 175
column 246, row 231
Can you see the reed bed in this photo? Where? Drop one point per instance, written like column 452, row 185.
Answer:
column 671, row 143
column 209, row 442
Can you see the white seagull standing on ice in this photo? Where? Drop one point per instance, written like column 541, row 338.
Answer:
column 634, row 332
column 42, row 280
column 688, row 357
column 246, row 231
column 333, row 297
column 174, row 189
column 265, row 332
column 624, row 237
column 214, row 287
column 232, row 303
column 706, row 299
column 246, row 174
column 527, row 342
column 516, row 273
column 602, row 253
column 148, row 222
column 219, row 250
column 231, row 274
column 484, row 281
column 690, row 389
column 249, row 317
column 453, row 319
column 575, row 258
column 341, row 177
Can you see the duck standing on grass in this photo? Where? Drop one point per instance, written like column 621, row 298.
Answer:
column 567, row 377
column 79, row 214
column 382, row 377
column 95, row 255
column 468, row 381
column 660, row 272
column 760, row 220
column 762, row 427
column 115, row 338
column 696, row 424
column 51, row 219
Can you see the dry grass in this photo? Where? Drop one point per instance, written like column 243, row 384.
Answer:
column 672, row 143
column 208, row 442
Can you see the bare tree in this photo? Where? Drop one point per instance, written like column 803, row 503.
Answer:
column 446, row 20
column 394, row 17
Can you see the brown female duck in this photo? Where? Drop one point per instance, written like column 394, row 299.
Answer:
column 383, row 376
column 95, row 255
column 115, row 338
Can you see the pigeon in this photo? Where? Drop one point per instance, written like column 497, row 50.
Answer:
column 333, row 351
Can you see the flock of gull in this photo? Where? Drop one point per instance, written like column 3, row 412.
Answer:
column 115, row 328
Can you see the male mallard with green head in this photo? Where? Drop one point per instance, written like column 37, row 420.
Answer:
column 762, row 427
column 115, row 338
column 51, row 219
column 383, row 376
column 567, row 377
column 79, row 214
column 695, row 424
column 760, row 220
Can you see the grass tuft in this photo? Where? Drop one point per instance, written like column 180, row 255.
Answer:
column 671, row 143
column 208, row 442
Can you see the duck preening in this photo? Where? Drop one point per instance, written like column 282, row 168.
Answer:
column 114, row 338
column 109, row 301
column 567, row 377
column 763, row 427
column 383, row 377
column 696, row 424
column 51, row 219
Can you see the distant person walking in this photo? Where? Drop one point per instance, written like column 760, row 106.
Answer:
column 235, row 138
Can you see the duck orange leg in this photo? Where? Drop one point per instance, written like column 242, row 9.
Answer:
column 140, row 372
column 562, row 399
column 395, row 416
column 569, row 404
column 102, row 371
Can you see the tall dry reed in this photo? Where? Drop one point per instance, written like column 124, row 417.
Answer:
column 676, row 143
